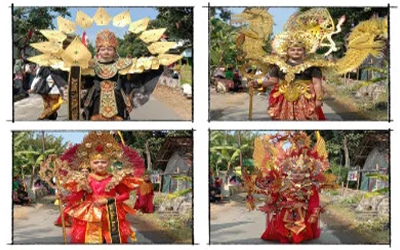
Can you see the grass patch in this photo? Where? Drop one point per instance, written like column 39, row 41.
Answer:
column 371, row 228
column 186, row 74
column 367, row 109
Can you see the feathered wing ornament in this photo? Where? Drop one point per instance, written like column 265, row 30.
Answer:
column 367, row 38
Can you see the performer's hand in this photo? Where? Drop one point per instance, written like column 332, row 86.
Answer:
column 252, row 83
column 318, row 103
column 100, row 202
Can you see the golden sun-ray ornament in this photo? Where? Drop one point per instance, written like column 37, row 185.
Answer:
column 149, row 36
column 83, row 20
column 160, row 47
column 167, row 59
column 101, row 17
column 65, row 25
column 76, row 54
column 54, row 35
column 122, row 19
column 139, row 26
column 48, row 47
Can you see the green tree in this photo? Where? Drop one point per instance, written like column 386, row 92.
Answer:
column 31, row 148
column 177, row 20
column 131, row 45
column 222, row 44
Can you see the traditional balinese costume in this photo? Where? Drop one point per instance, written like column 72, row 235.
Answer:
column 144, row 197
column 49, row 84
column 113, row 88
column 289, row 202
column 106, row 223
column 294, row 97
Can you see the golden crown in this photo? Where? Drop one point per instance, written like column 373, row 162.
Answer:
column 99, row 145
column 285, row 40
column 106, row 38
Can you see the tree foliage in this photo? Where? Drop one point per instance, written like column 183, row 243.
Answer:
column 177, row 20
column 138, row 139
column 30, row 149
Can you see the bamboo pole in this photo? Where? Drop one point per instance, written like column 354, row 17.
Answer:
column 251, row 93
column 60, row 206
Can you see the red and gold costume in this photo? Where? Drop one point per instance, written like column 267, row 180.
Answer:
column 292, row 203
column 93, row 223
column 144, row 198
column 294, row 96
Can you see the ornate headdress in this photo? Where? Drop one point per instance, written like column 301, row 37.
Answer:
column 106, row 38
column 308, row 30
column 277, row 156
column 99, row 145
column 102, row 145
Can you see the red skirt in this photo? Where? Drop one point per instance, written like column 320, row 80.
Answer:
column 302, row 109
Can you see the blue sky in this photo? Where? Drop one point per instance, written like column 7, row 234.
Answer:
column 69, row 136
column 136, row 14
column 280, row 15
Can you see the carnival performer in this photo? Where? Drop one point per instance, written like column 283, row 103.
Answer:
column 50, row 84
column 294, row 66
column 112, row 86
column 290, row 179
column 144, row 196
column 101, row 216
column 112, row 96
column 286, row 104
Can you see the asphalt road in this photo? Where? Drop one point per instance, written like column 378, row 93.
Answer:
column 232, row 223
column 34, row 225
column 29, row 109
column 235, row 107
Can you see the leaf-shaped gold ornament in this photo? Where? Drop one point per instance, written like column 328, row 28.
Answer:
column 139, row 26
column 167, row 59
column 122, row 19
column 54, row 35
column 160, row 47
column 51, row 47
column 83, row 20
column 101, row 17
column 149, row 36
column 76, row 54
column 65, row 25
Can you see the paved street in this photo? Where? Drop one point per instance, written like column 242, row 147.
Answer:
column 232, row 223
column 34, row 225
column 30, row 108
column 235, row 107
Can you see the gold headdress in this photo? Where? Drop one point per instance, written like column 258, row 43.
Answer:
column 308, row 30
column 99, row 145
column 106, row 38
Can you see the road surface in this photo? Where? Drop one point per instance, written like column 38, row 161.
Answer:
column 34, row 225
column 232, row 223
column 29, row 109
column 235, row 107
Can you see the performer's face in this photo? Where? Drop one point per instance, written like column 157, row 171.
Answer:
column 99, row 165
column 106, row 54
column 298, row 176
column 296, row 53
column 85, row 171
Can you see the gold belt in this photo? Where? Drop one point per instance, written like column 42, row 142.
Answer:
column 292, row 91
